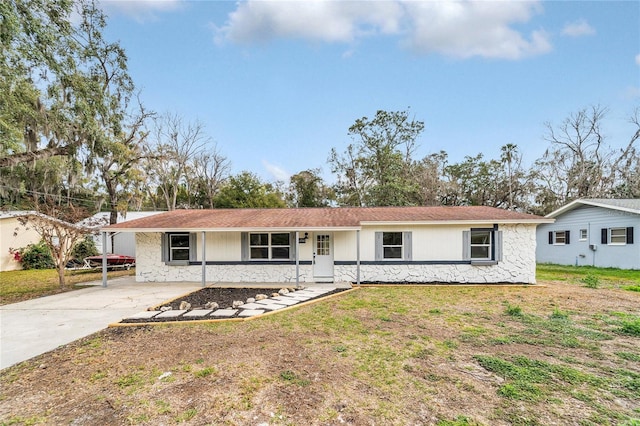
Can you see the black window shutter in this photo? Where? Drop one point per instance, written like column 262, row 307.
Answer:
column 550, row 237
column 604, row 235
column 566, row 237
column 630, row 235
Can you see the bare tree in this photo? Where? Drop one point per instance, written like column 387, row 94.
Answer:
column 177, row 144
column 579, row 164
column 59, row 231
column 210, row 171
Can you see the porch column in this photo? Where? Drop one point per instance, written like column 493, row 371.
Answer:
column 104, row 259
column 297, row 259
column 204, row 258
column 358, row 257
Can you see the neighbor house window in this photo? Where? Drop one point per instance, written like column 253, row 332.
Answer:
column 178, row 247
column 583, row 235
column 481, row 244
column 559, row 237
column 270, row 246
column 393, row 245
column 618, row 236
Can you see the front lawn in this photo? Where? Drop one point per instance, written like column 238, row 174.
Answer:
column 16, row 286
column 556, row 354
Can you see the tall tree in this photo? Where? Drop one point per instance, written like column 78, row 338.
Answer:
column 210, row 171
column 375, row 170
column 578, row 163
column 307, row 189
column 176, row 145
column 246, row 190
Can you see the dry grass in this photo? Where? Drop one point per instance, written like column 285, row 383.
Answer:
column 16, row 286
column 449, row 355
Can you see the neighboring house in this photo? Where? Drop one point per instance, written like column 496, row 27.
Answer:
column 14, row 235
column 385, row 244
column 596, row 232
column 119, row 243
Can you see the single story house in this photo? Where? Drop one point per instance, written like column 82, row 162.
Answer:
column 14, row 235
column 596, row 232
column 377, row 244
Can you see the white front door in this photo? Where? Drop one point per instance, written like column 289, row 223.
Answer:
column 323, row 258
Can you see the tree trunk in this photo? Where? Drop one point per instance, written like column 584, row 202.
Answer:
column 61, row 271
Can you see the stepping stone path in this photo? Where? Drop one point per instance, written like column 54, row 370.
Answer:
column 243, row 311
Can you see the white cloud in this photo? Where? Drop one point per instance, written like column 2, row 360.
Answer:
column 466, row 29
column 578, row 29
column 277, row 172
column 453, row 28
column 141, row 10
column 329, row 21
column 638, row 59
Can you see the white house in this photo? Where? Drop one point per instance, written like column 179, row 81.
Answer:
column 14, row 235
column 596, row 232
column 384, row 244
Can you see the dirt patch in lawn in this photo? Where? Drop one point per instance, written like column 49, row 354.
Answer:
column 435, row 355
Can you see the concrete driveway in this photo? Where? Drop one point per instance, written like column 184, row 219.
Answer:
column 40, row 325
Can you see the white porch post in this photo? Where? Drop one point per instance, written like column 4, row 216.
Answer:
column 104, row 259
column 204, row 258
column 358, row 257
column 297, row 259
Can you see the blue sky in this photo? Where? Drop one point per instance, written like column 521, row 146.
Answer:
column 277, row 84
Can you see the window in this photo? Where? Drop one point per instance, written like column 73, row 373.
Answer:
column 481, row 244
column 583, row 235
column 618, row 236
column 270, row 246
column 392, row 245
column 559, row 237
column 179, row 247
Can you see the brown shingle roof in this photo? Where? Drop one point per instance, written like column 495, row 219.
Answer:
column 317, row 218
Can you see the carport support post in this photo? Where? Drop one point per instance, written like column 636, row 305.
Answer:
column 297, row 259
column 204, row 258
column 358, row 257
column 104, row 259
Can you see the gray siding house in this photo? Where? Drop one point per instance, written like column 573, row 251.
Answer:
column 595, row 232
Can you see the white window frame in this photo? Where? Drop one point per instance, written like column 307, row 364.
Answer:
column 269, row 246
column 393, row 246
column 584, row 235
column 488, row 245
column 169, row 247
column 559, row 241
column 621, row 237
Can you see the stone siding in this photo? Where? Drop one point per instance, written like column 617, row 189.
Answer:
column 518, row 265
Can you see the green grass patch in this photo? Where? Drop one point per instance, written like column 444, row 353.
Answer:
column 293, row 378
column 29, row 284
column 534, row 380
column 607, row 277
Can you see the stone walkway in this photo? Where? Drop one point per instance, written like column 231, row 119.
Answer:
column 247, row 310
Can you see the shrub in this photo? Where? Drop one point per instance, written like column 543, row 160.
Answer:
column 591, row 281
column 84, row 248
column 513, row 310
column 37, row 256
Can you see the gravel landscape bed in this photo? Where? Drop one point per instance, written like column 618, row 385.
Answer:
column 224, row 297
